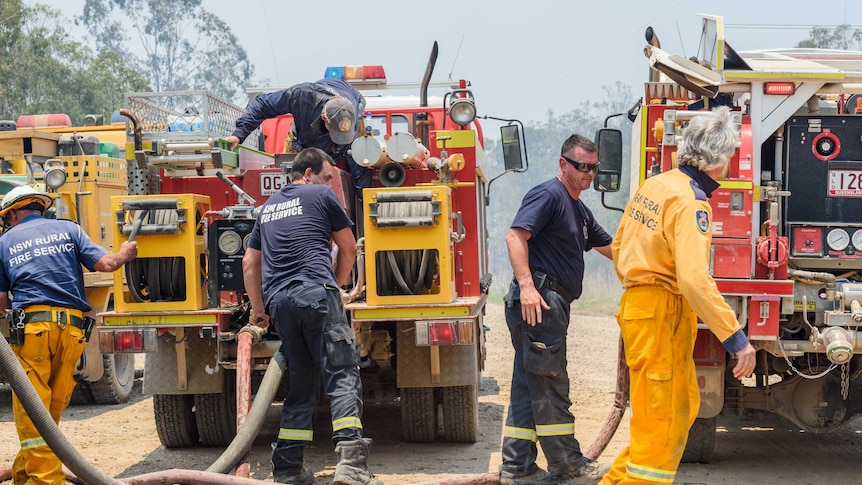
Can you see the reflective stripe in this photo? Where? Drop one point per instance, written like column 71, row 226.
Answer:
column 520, row 433
column 650, row 474
column 31, row 443
column 294, row 434
column 344, row 423
column 555, row 429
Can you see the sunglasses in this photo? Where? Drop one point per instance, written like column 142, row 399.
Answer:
column 582, row 167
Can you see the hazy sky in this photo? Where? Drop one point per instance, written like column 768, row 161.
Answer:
column 522, row 57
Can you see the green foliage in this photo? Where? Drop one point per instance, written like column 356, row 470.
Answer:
column 184, row 46
column 45, row 71
column 842, row 37
column 543, row 141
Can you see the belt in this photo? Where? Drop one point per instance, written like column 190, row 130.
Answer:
column 63, row 316
column 542, row 280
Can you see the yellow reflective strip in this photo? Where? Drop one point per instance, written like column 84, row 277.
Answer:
column 555, row 429
column 650, row 474
column 31, row 443
column 295, row 434
column 733, row 184
column 520, row 433
column 348, row 422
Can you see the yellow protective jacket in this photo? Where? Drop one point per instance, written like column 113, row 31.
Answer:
column 665, row 235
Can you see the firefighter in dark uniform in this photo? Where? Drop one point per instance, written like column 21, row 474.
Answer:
column 325, row 116
column 546, row 243
column 41, row 267
column 661, row 254
column 290, row 279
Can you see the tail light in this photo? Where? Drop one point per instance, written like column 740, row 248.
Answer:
column 444, row 332
column 113, row 341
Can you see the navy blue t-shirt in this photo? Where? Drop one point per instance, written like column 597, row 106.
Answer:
column 561, row 229
column 292, row 232
column 41, row 263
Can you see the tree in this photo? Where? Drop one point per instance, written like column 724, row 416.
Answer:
column 184, row 46
column 842, row 37
column 44, row 71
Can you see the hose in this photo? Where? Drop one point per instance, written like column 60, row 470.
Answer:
column 45, row 423
column 621, row 398
column 246, row 434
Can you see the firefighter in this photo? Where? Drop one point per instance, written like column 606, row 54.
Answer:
column 41, row 266
column 661, row 253
column 546, row 242
column 289, row 276
column 325, row 115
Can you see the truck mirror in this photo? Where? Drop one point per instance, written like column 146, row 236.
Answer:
column 510, row 137
column 610, row 143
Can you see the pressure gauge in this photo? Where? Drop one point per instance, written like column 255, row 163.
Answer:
column 247, row 238
column 838, row 239
column 857, row 239
column 230, row 243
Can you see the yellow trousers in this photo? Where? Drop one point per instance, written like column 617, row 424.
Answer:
column 658, row 329
column 48, row 355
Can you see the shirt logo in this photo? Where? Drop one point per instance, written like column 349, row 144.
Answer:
column 702, row 219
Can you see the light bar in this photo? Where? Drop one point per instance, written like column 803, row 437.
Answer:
column 357, row 74
column 783, row 89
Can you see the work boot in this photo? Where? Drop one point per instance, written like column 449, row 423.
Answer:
column 590, row 473
column 303, row 476
column 533, row 476
column 352, row 468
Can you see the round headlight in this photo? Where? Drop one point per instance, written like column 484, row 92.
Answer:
column 462, row 111
column 54, row 174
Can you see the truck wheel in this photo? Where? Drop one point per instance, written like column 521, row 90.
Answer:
column 216, row 414
column 701, row 441
column 175, row 420
column 461, row 414
column 117, row 383
column 418, row 414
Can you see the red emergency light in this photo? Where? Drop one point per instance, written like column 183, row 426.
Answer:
column 357, row 74
column 784, row 89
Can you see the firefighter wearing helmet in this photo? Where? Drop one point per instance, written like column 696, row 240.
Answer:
column 42, row 282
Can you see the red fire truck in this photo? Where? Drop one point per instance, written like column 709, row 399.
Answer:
column 787, row 231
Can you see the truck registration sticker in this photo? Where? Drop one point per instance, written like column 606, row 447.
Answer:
column 845, row 183
column 271, row 183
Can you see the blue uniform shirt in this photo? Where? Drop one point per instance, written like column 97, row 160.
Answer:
column 41, row 263
column 292, row 232
column 561, row 229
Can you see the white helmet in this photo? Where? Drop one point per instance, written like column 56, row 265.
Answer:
column 22, row 196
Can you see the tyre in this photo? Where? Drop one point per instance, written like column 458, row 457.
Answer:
column 117, row 383
column 215, row 414
column 701, row 441
column 461, row 414
column 175, row 420
column 418, row 414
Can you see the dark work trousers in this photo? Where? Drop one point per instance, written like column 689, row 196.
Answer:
column 318, row 345
column 539, row 402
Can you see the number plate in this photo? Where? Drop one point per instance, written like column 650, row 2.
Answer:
column 845, row 183
column 272, row 182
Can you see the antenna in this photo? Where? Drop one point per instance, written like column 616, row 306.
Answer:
column 452, row 69
column 678, row 33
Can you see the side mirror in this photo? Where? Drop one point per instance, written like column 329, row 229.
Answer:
column 610, row 143
column 510, row 137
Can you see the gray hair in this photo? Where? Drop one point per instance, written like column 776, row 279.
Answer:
column 709, row 140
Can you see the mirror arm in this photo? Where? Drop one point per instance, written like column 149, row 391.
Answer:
column 526, row 159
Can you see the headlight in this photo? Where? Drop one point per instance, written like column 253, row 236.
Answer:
column 55, row 174
column 462, row 110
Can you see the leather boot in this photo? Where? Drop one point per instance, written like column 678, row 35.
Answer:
column 352, row 468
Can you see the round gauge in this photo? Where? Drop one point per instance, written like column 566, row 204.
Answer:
column 247, row 238
column 229, row 243
column 857, row 239
column 838, row 239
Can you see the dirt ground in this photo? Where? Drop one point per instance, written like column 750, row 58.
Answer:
column 121, row 440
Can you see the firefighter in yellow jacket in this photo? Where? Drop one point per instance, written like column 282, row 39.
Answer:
column 661, row 254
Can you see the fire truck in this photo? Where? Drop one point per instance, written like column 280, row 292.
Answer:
column 81, row 168
column 419, row 286
column 787, row 232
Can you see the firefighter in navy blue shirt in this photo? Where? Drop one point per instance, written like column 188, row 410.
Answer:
column 290, row 280
column 41, row 267
column 546, row 242
column 325, row 115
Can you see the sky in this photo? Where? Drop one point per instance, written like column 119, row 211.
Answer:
column 522, row 58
